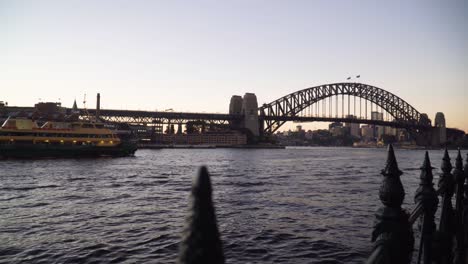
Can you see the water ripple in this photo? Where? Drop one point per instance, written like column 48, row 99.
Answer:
column 303, row 205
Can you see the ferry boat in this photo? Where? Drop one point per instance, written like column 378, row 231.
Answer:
column 25, row 138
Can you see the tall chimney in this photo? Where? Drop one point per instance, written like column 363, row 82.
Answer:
column 98, row 105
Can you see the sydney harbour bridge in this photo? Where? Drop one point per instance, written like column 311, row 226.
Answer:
column 338, row 102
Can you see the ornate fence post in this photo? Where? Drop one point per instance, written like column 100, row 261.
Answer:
column 460, row 236
column 201, row 242
column 392, row 235
column 446, row 225
column 426, row 196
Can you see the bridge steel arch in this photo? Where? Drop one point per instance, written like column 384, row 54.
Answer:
column 292, row 104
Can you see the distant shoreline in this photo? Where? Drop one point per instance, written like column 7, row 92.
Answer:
column 167, row 146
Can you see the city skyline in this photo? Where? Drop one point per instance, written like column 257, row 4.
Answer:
column 193, row 57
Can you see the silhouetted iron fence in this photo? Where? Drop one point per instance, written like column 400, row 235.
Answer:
column 393, row 232
column 392, row 236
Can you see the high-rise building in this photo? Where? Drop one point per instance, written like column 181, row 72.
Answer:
column 376, row 116
column 367, row 132
column 378, row 130
column 334, row 124
column 337, row 129
column 391, row 131
column 354, row 129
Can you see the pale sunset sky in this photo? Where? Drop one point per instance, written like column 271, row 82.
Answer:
column 193, row 55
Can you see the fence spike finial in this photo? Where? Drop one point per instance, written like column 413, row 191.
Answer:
column 391, row 191
column 427, row 197
column 459, row 208
column 427, row 163
column 459, row 161
column 392, row 236
column 446, row 164
column 465, row 173
column 447, row 218
column 201, row 241
column 426, row 175
column 391, row 167
column 465, row 169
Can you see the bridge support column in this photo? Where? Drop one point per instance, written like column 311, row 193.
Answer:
column 235, row 108
column 261, row 127
column 250, row 111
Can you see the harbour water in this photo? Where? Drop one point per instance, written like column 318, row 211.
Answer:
column 294, row 205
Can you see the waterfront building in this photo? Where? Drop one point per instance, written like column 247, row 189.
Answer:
column 376, row 115
column 390, row 131
column 334, row 124
column 354, row 129
column 339, row 131
column 378, row 130
column 367, row 132
column 214, row 139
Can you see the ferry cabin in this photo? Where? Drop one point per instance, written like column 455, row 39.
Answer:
column 26, row 131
